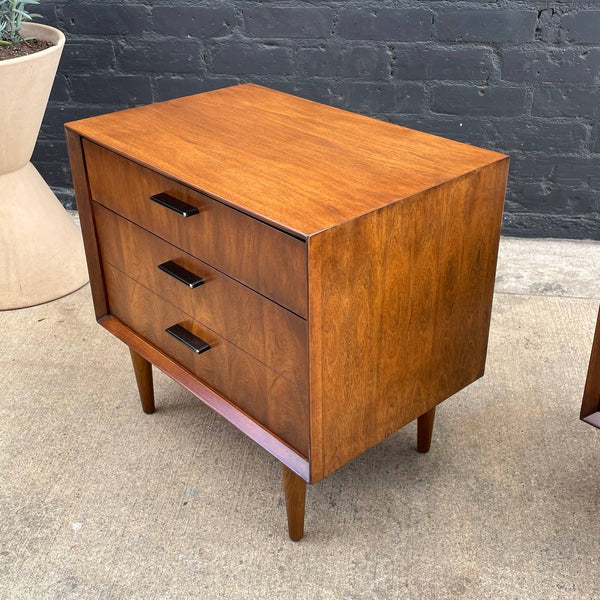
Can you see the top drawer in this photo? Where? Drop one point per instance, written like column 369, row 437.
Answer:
column 268, row 260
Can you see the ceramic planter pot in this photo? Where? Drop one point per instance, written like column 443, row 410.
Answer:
column 41, row 252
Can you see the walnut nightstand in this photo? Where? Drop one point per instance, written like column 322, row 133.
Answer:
column 317, row 277
column 590, row 406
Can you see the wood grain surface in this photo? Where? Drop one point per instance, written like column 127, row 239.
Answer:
column 262, row 328
column 272, row 400
column 400, row 304
column 590, row 407
column 298, row 164
column 269, row 261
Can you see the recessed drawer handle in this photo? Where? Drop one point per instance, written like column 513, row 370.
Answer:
column 178, row 272
column 181, row 208
column 188, row 338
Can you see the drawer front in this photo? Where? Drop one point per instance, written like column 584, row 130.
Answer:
column 266, row 396
column 271, row 262
column 262, row 328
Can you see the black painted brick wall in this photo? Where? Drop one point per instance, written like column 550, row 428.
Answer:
column 519, row 76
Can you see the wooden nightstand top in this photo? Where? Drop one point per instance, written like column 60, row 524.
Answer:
column 297, row 164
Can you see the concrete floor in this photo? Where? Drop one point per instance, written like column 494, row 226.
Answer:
column 98, row 500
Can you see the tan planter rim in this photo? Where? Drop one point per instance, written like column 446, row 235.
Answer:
column 41, row 32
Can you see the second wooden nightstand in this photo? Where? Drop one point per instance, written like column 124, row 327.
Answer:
column 590, row 406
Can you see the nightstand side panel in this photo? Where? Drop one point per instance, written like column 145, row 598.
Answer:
column 399, row 310
column 86, row 218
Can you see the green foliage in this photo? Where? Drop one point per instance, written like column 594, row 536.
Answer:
column 12, row 15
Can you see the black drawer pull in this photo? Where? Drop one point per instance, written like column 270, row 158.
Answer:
column 181, row 208
column 188, row 338
column 178, row 272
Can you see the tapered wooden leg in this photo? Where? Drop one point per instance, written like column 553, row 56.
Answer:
column 143, row 376
column 424, row 430
column 294, row 488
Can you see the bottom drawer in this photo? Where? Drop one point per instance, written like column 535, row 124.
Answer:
column 269, row 398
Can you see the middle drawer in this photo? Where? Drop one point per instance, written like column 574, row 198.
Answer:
column 272, row 334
